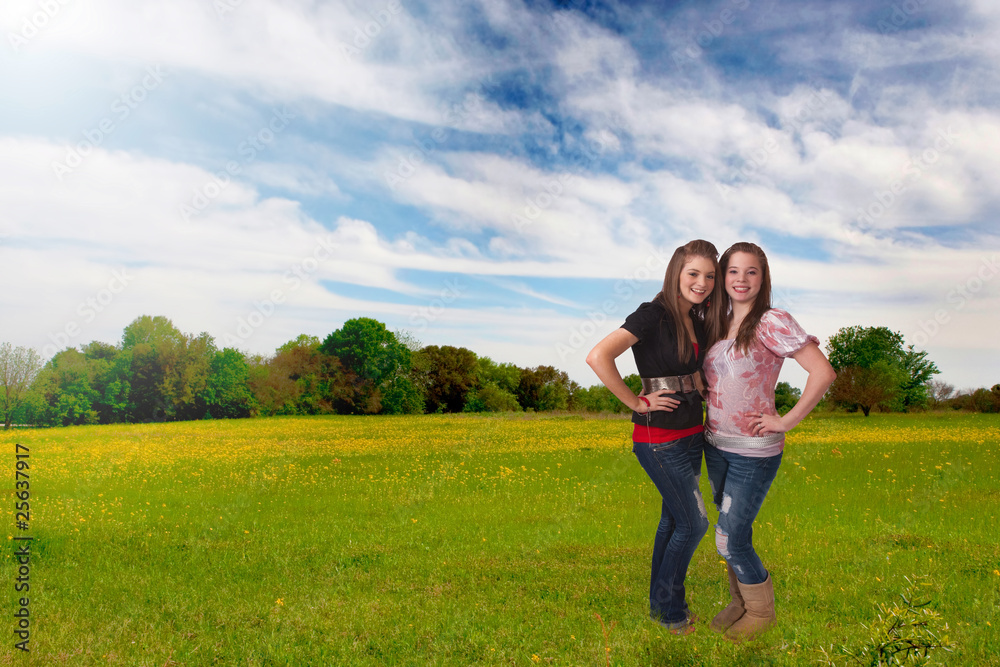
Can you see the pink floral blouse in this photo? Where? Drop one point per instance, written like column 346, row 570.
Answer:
column 742, row 385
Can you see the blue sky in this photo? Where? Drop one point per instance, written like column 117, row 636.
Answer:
column 506, row 176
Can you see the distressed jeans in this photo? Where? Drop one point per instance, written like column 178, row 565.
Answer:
column 739, row 486
column 674, row 468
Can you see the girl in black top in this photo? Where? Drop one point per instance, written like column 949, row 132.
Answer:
column 669, row 337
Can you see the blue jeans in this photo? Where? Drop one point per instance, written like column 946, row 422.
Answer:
column 674, row 468
column 739, row 486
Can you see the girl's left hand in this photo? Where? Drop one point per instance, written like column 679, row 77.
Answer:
column 764, row 424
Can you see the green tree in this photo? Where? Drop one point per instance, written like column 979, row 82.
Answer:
column 402, row 396
column 874, row 370
column 373, row 357
column 867, row 388
column 505, row 376
column 109, row 377
column 150, row 330
column 169, row 370
column 985, row 400
column 18, row 368
column 98, row 351
column 85, row 386
column 227, row 392
column 152, row 344
column 599, row 398
column 919, row 371
column 369, row 350
column 785, row 397
column 543, row 388
column 494, row 387
column 490, row 398
column 301, row 373
column 587, row 399
column 863, row 346
column 187, row 372
column 300, row 342
column 446, row 373
column 265, row 387
column 300, row 380
column 116, row 405
column 67, row 391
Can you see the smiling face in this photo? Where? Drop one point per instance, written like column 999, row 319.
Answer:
column 743, row 278
column 696, row 281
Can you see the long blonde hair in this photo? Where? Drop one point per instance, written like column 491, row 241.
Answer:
column 708, row 311
column 747, row 334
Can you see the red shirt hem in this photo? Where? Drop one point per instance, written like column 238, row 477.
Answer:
column 652, row 434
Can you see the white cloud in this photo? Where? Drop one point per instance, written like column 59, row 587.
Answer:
column 808, row 161
column 559, row 215
column 289, row 49
column 294, row 178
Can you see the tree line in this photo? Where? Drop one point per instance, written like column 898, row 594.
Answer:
column 158, row 373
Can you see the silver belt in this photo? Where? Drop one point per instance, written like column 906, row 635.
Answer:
column 743, row 441
column 676, row 383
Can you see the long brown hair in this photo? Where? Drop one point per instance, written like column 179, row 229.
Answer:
column 747, row 334
column 708, row 311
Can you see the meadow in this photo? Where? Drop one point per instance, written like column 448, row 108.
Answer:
column 460, row 540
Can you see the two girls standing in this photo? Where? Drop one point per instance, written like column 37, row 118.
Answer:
column 713, row 315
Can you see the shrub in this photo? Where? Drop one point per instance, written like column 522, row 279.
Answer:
column 903, row 634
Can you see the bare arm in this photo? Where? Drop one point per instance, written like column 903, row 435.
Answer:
column 821, row 376
column 602, row 360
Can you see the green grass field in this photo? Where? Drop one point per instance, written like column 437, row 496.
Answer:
column 457, row 540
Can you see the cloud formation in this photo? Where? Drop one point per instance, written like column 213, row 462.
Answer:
column 506, row 176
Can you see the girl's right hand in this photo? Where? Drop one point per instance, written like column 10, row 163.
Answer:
column 659, row 400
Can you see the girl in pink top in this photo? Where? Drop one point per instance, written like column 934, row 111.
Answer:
column 744, row 432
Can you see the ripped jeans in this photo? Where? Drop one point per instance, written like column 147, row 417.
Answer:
column 739, row 486
column 675, row 468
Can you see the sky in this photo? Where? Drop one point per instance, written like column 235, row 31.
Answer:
column 503, row 175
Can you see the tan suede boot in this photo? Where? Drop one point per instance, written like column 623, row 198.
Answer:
column 734, row 610
column 759, row 602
